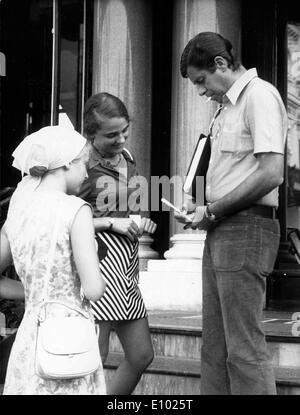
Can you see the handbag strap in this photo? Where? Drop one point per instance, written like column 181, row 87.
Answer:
column 70, row 306
column 51, row 256
column 49, row 265
column 45, row 300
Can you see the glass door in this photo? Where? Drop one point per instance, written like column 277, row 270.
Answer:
column 26, row 43
column 72, row 60
column 271, row 42
column 47, row 49
column 284, row 283
column 293, row 107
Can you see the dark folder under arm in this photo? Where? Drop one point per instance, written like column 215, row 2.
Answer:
column 198, row 165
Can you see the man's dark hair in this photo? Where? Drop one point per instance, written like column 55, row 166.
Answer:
column 201, row 51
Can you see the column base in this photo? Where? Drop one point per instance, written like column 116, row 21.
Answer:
column 175, row 283
column 146, row 252
column 186, row 246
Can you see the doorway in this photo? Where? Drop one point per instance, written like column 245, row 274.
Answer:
column 47, row 45
column 271, row 42
column 26, row 41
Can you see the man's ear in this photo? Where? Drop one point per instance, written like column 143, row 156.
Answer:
column 221, row 63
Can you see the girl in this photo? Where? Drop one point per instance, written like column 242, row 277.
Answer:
column 55, row 160
column 106, row 126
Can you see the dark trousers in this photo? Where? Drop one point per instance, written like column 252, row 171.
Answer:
column 239, row 253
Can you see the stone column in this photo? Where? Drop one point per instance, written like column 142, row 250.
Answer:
column 122, row 67
column 191, row 115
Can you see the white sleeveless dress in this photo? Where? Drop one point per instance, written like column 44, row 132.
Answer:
column 29, row 229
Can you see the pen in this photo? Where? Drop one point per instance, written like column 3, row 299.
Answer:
column 165, row 201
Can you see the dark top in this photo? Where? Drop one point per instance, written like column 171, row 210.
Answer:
column 109, row 191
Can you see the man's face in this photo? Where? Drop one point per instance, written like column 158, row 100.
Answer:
column 211, row 85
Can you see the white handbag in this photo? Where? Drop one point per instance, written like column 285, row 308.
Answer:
column 66, row 346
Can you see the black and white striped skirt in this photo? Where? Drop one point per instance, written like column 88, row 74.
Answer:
column 119, row 264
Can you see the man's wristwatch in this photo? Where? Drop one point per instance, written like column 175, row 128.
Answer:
column 111, row 222
column 209, row 215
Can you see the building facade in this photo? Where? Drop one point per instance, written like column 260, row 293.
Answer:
column 55, row 53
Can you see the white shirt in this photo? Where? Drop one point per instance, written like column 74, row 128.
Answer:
column 253, row 120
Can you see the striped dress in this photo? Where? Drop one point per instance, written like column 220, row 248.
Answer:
column 118, row 256
column 122, row 299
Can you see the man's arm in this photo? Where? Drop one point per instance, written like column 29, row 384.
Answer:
column 267, row 177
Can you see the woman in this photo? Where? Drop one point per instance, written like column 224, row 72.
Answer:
column 54, row 159
column 106, row 125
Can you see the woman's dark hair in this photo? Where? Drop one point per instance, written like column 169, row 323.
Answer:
column 201, row 51
column 99, row 106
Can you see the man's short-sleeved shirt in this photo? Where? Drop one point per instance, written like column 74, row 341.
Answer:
column 253, row 120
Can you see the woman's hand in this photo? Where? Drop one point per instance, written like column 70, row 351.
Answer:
column 127, row 227
column 147, row 226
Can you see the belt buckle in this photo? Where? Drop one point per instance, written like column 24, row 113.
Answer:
column 273, row 213
column 269, row 212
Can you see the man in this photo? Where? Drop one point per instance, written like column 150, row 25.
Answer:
column 245, row 170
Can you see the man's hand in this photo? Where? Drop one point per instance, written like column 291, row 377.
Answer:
column 189, row 206
column 187, row 211
column 195, row 220
column 199, row 219
column 184, row 217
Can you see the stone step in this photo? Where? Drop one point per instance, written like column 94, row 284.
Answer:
column 165, row 376
column 170, row 376
column 154, row 382
column 162, row 365
column 186, row 343
column 174, row 376
column 168, row 343
column 284, row 353
column 288, row 380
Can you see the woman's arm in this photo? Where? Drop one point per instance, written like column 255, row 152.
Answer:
column 5, row 253
column 123, row 226
column 85, row 255
column 9, row 289
column 101, row 224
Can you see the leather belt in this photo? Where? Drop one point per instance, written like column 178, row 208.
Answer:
column 258, row 210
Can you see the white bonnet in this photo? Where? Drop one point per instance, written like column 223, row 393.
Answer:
column 50, row 147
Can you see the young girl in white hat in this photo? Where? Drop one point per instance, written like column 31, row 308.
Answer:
column 54, row 159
